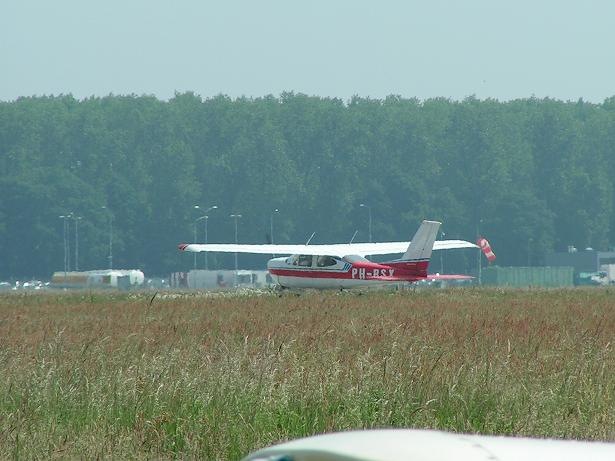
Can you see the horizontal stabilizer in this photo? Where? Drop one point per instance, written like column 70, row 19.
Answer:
column 438, row 277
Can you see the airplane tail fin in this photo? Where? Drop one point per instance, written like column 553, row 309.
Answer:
column 416, row 258
column 422, row 243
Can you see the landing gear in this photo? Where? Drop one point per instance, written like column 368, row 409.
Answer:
column 279, row 290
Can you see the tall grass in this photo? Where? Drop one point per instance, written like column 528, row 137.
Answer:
column 94, row 375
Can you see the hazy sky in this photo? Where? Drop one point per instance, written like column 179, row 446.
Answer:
column 503, row 49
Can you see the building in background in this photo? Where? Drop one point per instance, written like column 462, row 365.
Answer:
column 108, row 278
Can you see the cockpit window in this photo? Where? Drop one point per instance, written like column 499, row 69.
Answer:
column 305, row 260
column 326, row 261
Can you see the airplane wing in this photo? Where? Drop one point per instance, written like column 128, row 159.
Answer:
column 340, row 249
column 444, row 277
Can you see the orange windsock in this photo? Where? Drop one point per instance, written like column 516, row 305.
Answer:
column 486, row 248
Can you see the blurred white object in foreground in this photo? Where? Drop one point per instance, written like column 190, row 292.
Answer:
column 425, row 445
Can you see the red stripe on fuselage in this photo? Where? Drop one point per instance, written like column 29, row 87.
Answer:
column 309, row 274
column 395, row 271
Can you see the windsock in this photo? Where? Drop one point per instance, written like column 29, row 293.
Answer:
column 484, row 245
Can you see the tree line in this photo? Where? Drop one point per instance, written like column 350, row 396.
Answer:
column 532, row 175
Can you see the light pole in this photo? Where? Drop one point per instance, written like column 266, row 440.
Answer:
column 480, row 252
column 236, row 217
column 62, row 217
column 442, row 235
column 271, row 224
column 195, row 223
column 65, row 219
column 207, row 234
column 68, row 217
column 206, row 264
column 369, row 212
column 110, row 240
column 110, row 257
column 205, row 217
column 77, row 219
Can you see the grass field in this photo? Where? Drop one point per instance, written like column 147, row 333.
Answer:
column 107, row 375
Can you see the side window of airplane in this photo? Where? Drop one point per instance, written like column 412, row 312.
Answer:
column 326, row 261
column 305, row 260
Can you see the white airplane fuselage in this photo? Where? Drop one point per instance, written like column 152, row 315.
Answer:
column 328, row 272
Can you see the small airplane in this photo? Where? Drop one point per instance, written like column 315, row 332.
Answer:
column 341, row 266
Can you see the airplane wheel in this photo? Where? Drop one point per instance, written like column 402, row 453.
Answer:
column 279, row 290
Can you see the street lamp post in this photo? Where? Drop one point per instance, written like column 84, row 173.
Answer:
column 442, row 235
column 369, row 212
column 236, row 217
column 62, row 217
column 271, row 224
column 110, row 240
column 480, row 252
column 206, row 237
column 204, row 217
column 194, row 241
column 68, row 218
column 77, row 219
column 65, row 219
column 195, row 225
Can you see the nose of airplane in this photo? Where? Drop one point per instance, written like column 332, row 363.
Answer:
column 276, row 263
